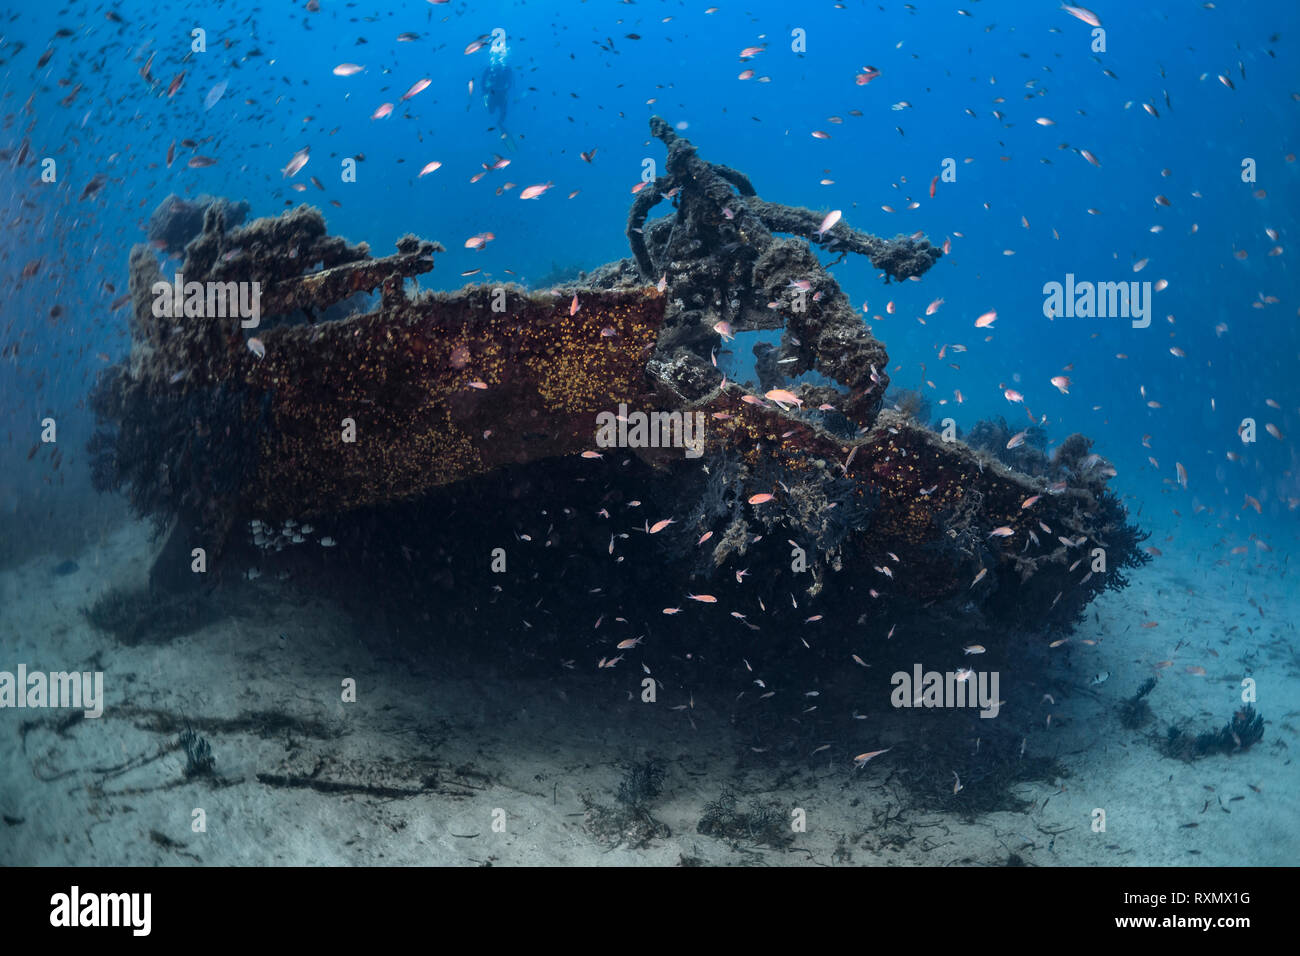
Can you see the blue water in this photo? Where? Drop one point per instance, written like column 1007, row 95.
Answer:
column 570, row 95
column 1026, row 207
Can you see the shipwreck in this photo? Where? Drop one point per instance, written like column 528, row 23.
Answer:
column 372, row 410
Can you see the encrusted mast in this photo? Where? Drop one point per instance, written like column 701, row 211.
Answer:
column 345, row 402
column 721, row 261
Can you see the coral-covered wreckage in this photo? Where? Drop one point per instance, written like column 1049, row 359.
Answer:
column 471, row 412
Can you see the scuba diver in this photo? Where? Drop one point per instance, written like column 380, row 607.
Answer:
column 495, row 84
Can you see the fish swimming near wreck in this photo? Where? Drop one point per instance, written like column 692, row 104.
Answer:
column 928, row 412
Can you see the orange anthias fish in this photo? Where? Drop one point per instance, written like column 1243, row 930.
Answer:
column 831, row 219
column 861, row 760
column 1082, row 13
column 532, row 192
column 298, row 161
column 783, row 397
column 416, row 87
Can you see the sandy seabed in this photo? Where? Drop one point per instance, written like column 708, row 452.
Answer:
column 430, row 767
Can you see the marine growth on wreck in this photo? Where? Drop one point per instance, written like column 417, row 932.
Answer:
column 646, row 434
column 355, row 399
